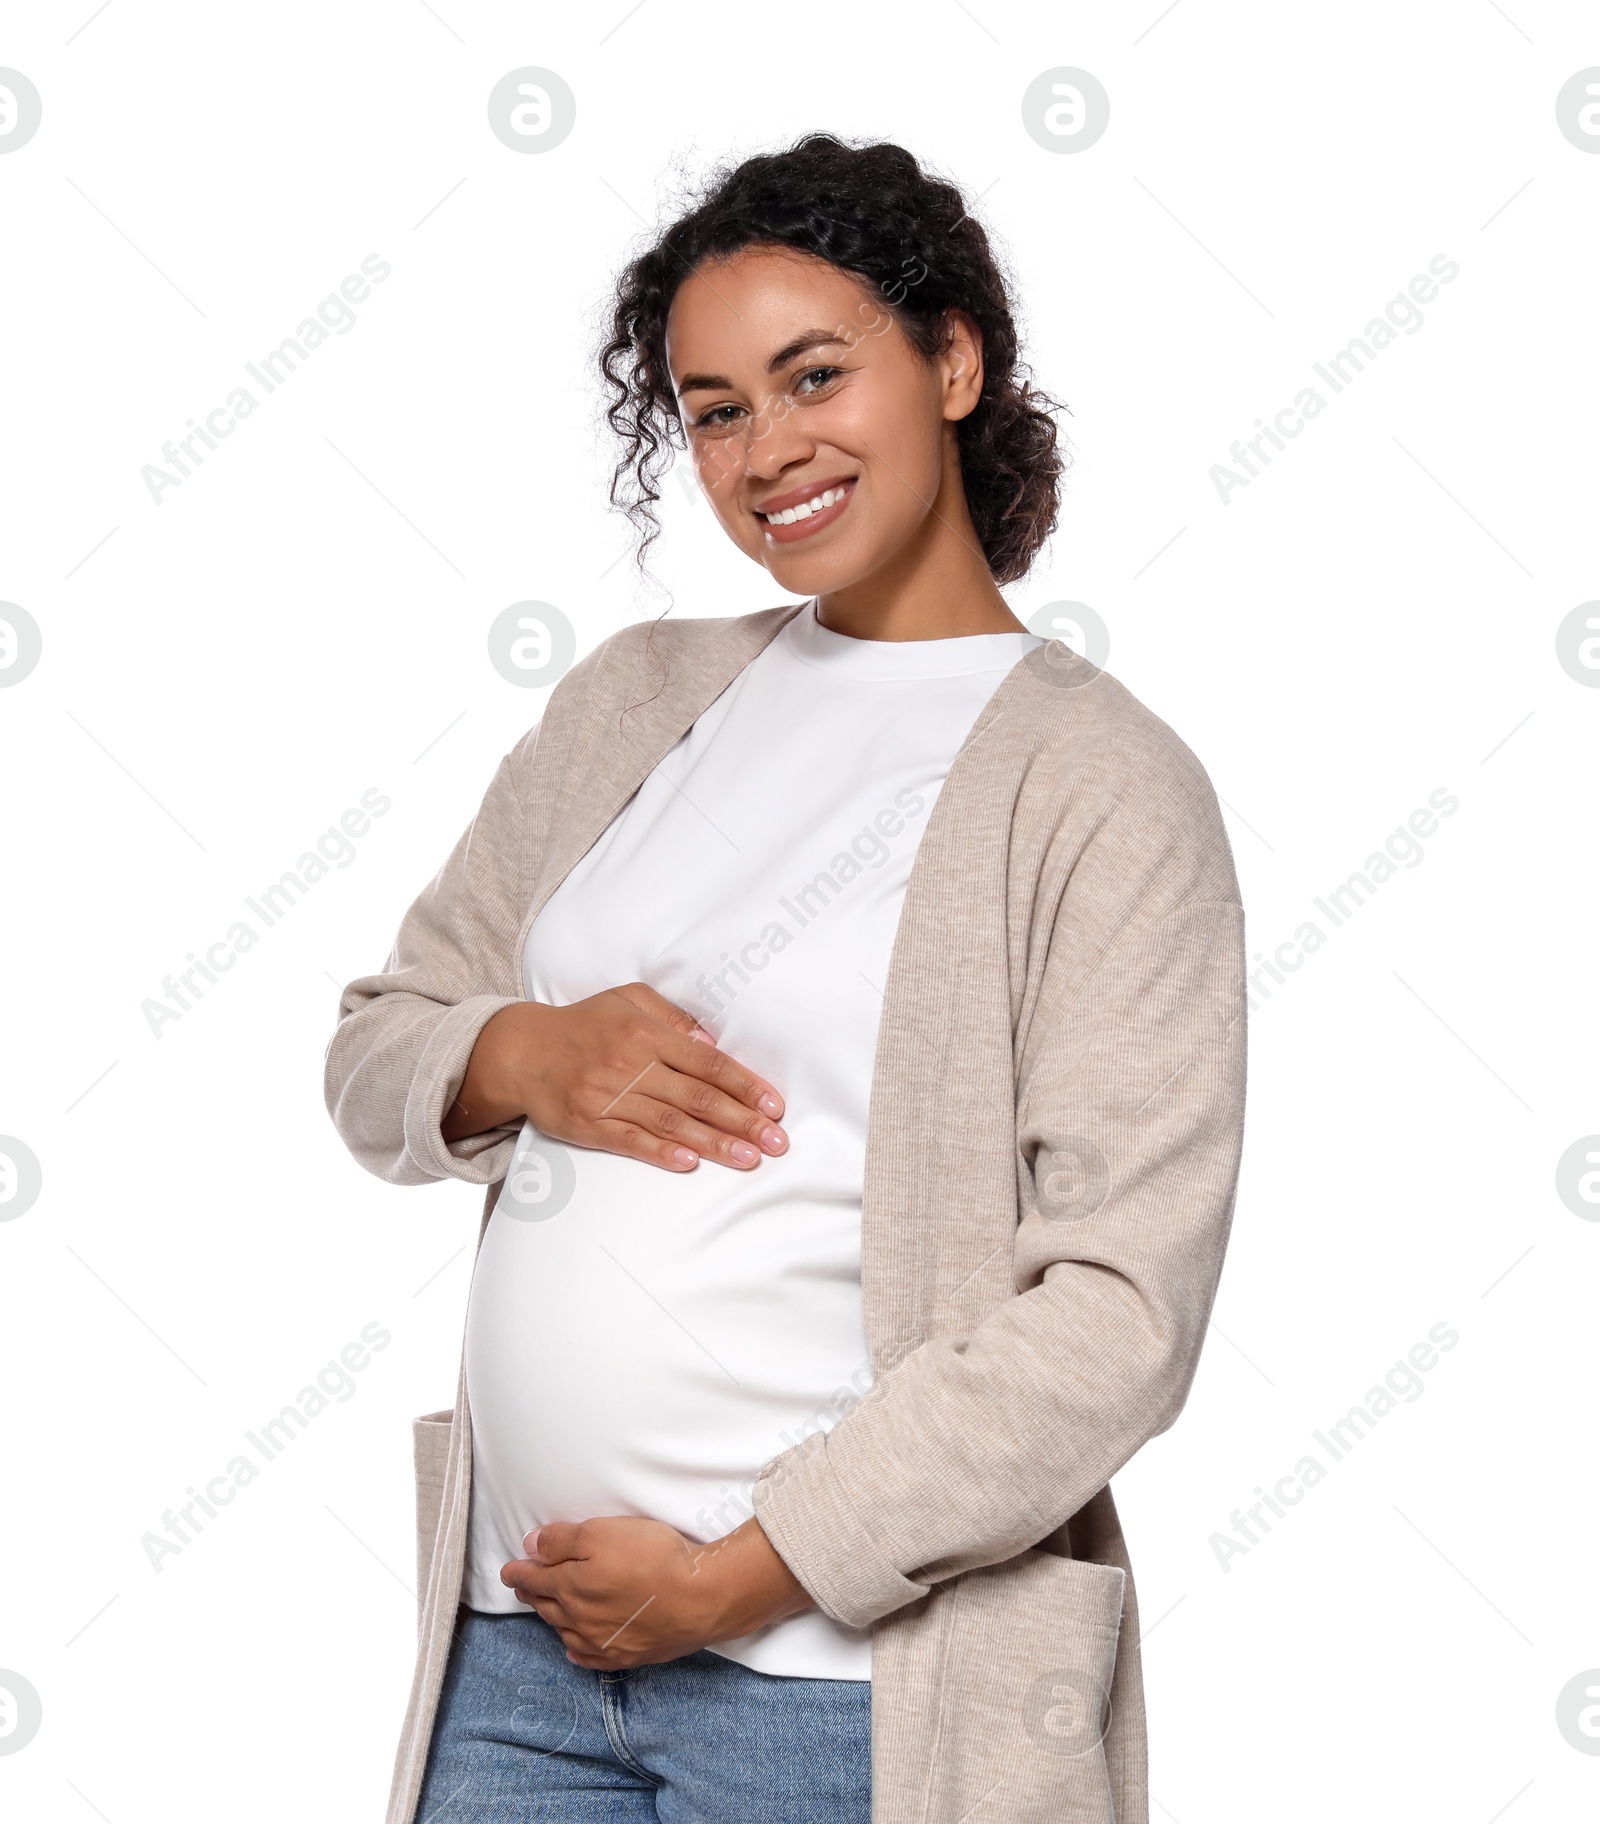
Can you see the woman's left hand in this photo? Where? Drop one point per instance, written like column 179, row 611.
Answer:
column 625, row 1591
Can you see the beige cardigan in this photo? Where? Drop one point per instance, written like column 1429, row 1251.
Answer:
column 1053, row 1150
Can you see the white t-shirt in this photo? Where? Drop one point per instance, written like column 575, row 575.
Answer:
column 642, row 1341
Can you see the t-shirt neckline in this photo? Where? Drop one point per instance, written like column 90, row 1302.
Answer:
column 825, row 650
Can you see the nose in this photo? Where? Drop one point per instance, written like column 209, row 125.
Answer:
column 775, row 440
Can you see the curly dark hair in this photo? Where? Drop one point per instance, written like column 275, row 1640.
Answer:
column 873, row 211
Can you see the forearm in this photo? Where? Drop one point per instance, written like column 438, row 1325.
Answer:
column 750, row 1585
column 492, row 1092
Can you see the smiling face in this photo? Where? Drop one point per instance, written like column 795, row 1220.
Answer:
column 824, row 441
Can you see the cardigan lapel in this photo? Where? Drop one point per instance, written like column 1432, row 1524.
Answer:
column 935, row 1026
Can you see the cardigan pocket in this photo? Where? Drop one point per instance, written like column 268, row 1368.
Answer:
column 1025, row 1698
column 430, row 1452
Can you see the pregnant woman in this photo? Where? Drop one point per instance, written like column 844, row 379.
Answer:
column 843, row 1007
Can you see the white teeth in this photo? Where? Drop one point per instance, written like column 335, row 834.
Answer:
column 805, row 509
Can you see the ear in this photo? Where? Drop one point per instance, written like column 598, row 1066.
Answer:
column 962, row 365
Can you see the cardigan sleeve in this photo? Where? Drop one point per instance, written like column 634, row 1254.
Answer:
column 400, row 1049
column 981, row 1442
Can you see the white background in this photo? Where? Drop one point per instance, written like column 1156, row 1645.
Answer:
column 1372, row 618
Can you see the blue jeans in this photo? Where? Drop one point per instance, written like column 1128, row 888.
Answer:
column 523, row 1736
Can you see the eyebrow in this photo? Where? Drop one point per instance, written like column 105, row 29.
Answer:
column 808, row 338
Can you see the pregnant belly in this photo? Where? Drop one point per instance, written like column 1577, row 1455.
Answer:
column 650, row 1345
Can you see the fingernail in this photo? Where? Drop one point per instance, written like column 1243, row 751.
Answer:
column 770, row 1105
column 743, row 1153
column 530, row 1543
column 773, row 1140
column 684, row 1157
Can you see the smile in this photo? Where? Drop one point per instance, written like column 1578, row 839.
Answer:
column 801, row 518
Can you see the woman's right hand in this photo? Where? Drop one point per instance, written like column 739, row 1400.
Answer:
column 625, row 1072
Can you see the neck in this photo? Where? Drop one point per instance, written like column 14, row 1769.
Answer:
column 936, row 587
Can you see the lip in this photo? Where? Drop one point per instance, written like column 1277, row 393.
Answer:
column 804, row 528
